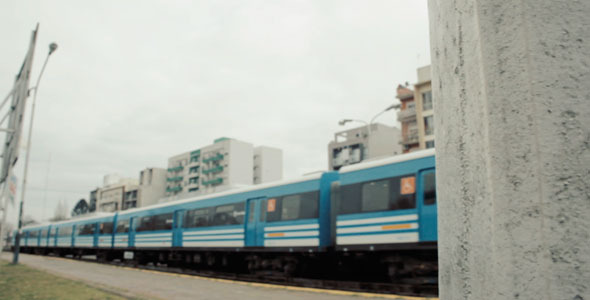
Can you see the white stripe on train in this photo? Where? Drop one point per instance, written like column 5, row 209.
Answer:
column 403, row 218
column 408, row 237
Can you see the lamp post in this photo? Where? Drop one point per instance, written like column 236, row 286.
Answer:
column 368, row 125
column 52, row 48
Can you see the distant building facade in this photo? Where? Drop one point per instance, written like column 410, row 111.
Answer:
column 152, row 186
column 268, row 164
column 362, row 143
column 417, row 113
column 111, row 197
column 225, row 164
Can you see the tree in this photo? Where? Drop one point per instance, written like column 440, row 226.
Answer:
column 80, row 208
column 61, row 212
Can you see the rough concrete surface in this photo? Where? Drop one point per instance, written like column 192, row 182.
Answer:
column 157, row 285
column 511, row 83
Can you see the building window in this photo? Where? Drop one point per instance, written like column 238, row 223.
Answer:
column 427, row 100
column 428, row 125
column 429, row 144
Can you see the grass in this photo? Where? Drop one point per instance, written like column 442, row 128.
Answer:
column 22, row 282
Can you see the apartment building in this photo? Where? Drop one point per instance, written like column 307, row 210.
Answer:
column 152, row 186
column 362, row 143
column 417, row 114
column 268, row 164
column 111, row 196
column 225, row 164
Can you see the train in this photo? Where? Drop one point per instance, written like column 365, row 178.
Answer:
column 377, row 218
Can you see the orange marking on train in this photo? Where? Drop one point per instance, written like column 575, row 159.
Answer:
column 397, row 226
column 276, row 234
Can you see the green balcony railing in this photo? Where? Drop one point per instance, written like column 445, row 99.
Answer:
column 174, row 189
column 221, row 139
column 217, row 157
column 213, row 170
column 174, row 179
column 175, row 169
column 195, row 158
column 212, row 181
column 196, row 152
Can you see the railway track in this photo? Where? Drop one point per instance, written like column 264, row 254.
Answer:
column 415, row 287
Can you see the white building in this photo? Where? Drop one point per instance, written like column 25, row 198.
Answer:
column 110, row 197
column 362, row 143
column 268, row 164
column 225, row 164
column 151, row 188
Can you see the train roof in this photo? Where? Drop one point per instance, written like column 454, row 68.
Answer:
column 262, row 186
column 93, row 216
column 388, row 160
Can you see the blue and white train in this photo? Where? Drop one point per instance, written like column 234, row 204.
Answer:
column 377, row 215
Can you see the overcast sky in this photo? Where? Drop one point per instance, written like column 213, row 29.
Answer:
column 135, row 82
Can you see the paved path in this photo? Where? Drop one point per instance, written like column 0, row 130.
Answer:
column 158, row 285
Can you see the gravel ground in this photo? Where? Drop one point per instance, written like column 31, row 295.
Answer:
column 147, row 284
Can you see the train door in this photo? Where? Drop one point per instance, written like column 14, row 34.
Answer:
column 427, row 199
column 255, row 221
column 131, row 233
column 177, row 228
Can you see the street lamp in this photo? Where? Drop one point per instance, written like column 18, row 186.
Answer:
column 368, row 125
column 52, row 48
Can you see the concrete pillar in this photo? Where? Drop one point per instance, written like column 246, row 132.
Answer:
column 511, row 83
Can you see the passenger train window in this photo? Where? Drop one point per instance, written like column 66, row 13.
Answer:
column 378, row 195
column 86, row 229
column 53, row 232
column 145, row 224
column 290, row 207
column 196, row 218
column 163, row 222
column 44, row 233
column 375, row 195
column 293, row 207
column 106, row 227
column 262, row 210
column 65, row 231
column 228, row 214
column 122, row 226
column 251, row 212
column 33, row 234
column 350, row 196
column 429, row 188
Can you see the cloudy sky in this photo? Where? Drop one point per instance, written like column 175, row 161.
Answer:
column 134, row 82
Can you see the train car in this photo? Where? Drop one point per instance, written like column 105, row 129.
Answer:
column 34, row 238
column 386, row 215
column 377, row 217
column 88, row 233
column 252, row 227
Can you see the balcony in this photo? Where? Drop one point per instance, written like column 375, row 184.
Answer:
column 174, row 189
column 410, row 138
column 174, row 179
column 406, row 114
column 175, row 169
column 217, row 157
column 213, row 170
column 212, row 181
